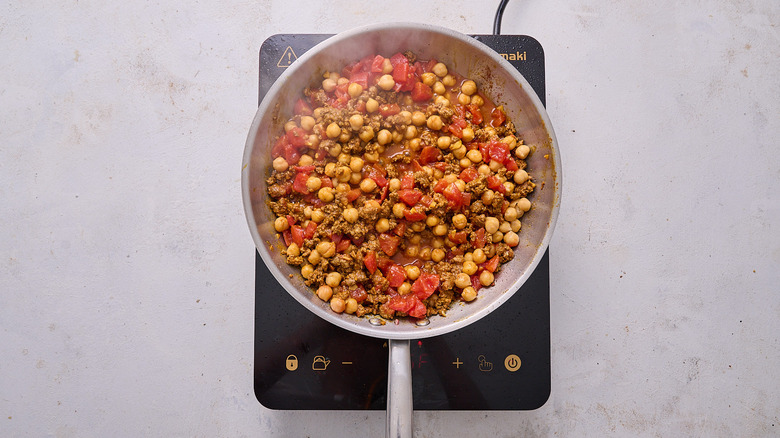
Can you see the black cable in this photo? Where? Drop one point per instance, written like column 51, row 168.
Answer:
column 499, row 16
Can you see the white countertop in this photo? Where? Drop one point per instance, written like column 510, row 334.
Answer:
column 127, row 304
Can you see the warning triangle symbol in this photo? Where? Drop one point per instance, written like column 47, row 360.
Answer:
column 287, row 58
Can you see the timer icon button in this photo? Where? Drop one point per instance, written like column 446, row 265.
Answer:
column 512, row 362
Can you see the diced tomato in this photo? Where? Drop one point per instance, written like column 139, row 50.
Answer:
column 429, row 154
column 492, row 264
column 377, row 63
column 454, row 196
column 410, row 196
column 287, row 235
column 304, row 169
column 425, row 285
column 395, row 275
column 383, row 196
column 416, row 165
column 458, row 237
column 343, row 245
column 465, row 199
column 359, row 294
column 302, row 108
column 291, row 220
column 414, row 215
column 497, row 116
column 440, row 185
column 475, row 283
column 376, row 174
column 409, row 304
column 347, row 70
column 426, row 201
column 361, row 106
column 357, row 241
column 476, row 115
column 297, row 235
column 360, row 78
column 400, row 229
column 279, row 146
column 388, row 243
column 421, row 92
column 511, row 164
column 308, row 233
column 480, row 239
column 353, row 194
column 299, row 185
column 370, row 261
column 407, row 180
column 498, row 151
column 326, row 181
column 493, row 182
column 455, row 130
column 389, row 109
column 469, row 174
column 398, row 58
column 383, row 263
column 401, row 72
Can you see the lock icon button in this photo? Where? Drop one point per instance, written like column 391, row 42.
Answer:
column 291, row 363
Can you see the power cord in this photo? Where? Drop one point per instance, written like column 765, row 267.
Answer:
column 499, row 17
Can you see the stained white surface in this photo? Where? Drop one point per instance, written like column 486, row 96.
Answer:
column 126, row 278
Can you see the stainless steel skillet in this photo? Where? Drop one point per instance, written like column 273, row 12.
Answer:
column 504, row 85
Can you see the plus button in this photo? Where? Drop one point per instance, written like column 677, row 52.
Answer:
column 457, row 363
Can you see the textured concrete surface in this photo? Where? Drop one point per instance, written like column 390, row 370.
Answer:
column 126, row 278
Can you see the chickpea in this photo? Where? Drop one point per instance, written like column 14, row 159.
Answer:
column 468, row 87
column 372, row 105
column 387, row 66
column 495, row 166
column 313, row 183
column 333, row 130
column 437, row 255
column 356, row 164
column 307, row 214
column 460, row 221
column 345, row 136
column 438, row 174
column 462, row 280
column 314, row 258
column 307, row 123
column 439, row 70
column 418, row 118
column 394, row 184
column 497, row 236
column 354, row 89
column 516, row 225
column 355, row 178
column 522, row 151
column 460, row 152
column 342, row 81
column 474, row 155
column 491, row 225
column 510, row 140
column 350, row 214
column 510, row 214
column 333, row 279
column 398, row 136
column 464, row 99
column 351, row 306
column 441, row 100
column 486, row 278
column 434, row 122
column 343, row 173
column 477, row 100
column 468, row 294
column 371, row 157
column 318, row 215
column 337, row 305
column 326, row 249
column 444, row 142
column 335, row 150
column 386, row 82
column 367, row 185
column 465, row 162
column 428, row 78
column 440, row 230
column 484, row 169
column 521, row 176
column 467, row 135
column 329, row 85
column 343, row 187
column 417, row 227
column 412, row 250
column 280, row 164
column 524, row 204
column 448, row 80
column 487, row 197
column 356, row 121
column 324, row 292
column 431, row 221
column 366, row 133
column 439, row 88
column 511, row 238
column 415, row 144
column 412, row 272
column 469, row 268
column 404, row 288
column 293, row 250
column 325, row 194
column 312, row 141
column 460, row 184
column 382, row 225
column 307, row 270
column 384, row 137
column 398, row 210
column 289, row 126
column 410, row 132
column 505, row 227
column 281, row 224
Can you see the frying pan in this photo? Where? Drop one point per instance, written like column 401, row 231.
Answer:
column 499, row 81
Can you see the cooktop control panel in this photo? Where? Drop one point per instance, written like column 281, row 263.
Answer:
column 501, row 362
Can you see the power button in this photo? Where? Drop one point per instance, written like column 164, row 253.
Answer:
column 512, row 362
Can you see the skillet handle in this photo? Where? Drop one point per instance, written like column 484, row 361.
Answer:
column 399, row 390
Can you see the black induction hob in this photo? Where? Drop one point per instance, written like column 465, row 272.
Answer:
column 501, row 362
